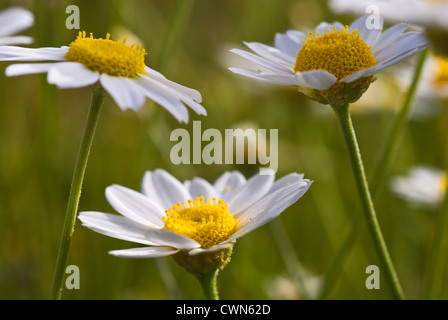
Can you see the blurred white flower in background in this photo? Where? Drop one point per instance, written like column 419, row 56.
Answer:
column 424, row 186
column 12, row 21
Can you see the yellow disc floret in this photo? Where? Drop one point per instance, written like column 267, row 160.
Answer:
column 339, row 52
column 114, row 58
column 441, row 76
column 207, row 223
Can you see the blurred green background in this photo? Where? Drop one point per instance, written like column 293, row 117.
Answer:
column 189, row 41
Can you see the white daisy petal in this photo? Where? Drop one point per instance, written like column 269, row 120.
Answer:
column 191, row 93
column 170, row 91
column 13, row 20
column 126, row 93
column 135, row 206
column 323, row 27
column 8, row 41
column 219, row 247
column 66, row 75
column 255, row 188
column 273, row 54
column 171, row 104
column 27, row 68
column 269, row 208
column 11, row 53
column 316, row 79
column 370, row 34
column 146, row 252
column 115, row 226
column 389, row 36
column 261, row 61
column 289, row 43
column 228, row 184
column 408, row 42
column 286, row 181
column 168, row 190
column 199, row 187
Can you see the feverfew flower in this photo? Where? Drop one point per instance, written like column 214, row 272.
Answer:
column 334, row 64
column 13, row 21
column 424, row 186
column 196, row 222
column 118, row 67
column 431, row 15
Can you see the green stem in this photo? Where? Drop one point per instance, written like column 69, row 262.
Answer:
column 438, row 256
column 343, row 115
column 208, row 283
column 98, row 96
column 380, row 171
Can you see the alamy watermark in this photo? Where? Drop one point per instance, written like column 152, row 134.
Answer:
column 373, row 20
column 230, row 149
column 73, row 20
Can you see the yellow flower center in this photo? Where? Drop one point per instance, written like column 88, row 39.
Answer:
column 207, row 223
column 443, row 184
column 339, row 52
column 441, row 76
column 114, row 58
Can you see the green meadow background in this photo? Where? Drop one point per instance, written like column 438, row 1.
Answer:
column 189, row 41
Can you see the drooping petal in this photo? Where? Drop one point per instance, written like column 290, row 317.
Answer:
column 120, row 227
column 171, row 104
column 262, row 61
column 273, row 54
column 192, row 93
column 316, row 79
column 168, row 89
column 67, row 75
column 126, row 93
column 9, row 41
column 214, row 248
column 146, row 252
column 11, row 53
column 135, row 206
column 28, row 68
column 115, row 226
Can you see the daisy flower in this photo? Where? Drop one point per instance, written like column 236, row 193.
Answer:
column 118, row 67
column 12, row 21
column 196, row 222
column 424, row 186
column 334, row 64
column 431, row 15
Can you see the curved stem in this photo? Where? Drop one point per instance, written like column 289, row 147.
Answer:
column 98, row 96
column 348, row 132
column 380, row 171
column 208, row 283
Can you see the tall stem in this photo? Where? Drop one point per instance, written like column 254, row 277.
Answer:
column 208, row 283
column 343, row 115
column 380, row 171
column 98, row 95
